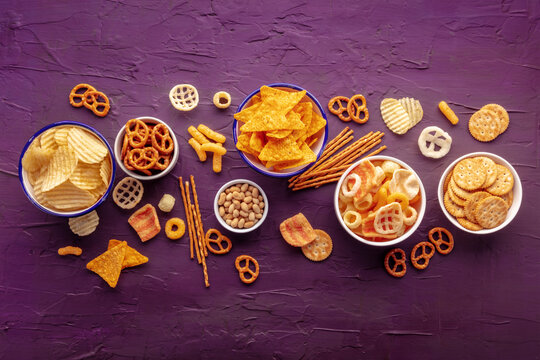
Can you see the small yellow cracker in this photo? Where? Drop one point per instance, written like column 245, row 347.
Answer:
column 484, row 125
column 464, row 194
column 491, row 212
column 320, row 248
column 491, row 170
column 504, row 182
column 501, row 113
column 453, row 208
column 472, row 203
column 469, row 174
column 459, row 201
column 469, row 224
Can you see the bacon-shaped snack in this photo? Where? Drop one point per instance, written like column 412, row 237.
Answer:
column 297, row 231
column 145, row 222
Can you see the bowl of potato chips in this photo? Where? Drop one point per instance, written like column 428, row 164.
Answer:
column 67, row 169
column 380, row 201
column 480, row 193
column 280, row 130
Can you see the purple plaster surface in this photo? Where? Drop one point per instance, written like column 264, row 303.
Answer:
column 480, row 302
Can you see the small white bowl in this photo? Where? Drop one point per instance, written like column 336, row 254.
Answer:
column 420, row 208
column 317, row 148
column 118, row 151
column 516, row 203
column 222, row 221
column 28, row 189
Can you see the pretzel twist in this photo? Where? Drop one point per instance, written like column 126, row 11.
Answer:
column 161, row 139
column 398, row 262
column 443, row 246
column 339, row 100
column 242, row 270
column 218, row 241
column 424, row 255
column 143, row 159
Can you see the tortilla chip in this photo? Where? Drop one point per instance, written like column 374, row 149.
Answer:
column 317, row 123
column 132, row 258
column 280, row 149
column 308, row 156
column 109, row 264
column 257, row 141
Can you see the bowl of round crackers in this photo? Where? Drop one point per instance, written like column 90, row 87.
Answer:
column 280, row 130
column 480, row 193
column 149, row 151
column 67, row 169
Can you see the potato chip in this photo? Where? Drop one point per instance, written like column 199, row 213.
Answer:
column 86, row 176
column 105, row 171
column 89, row 148
column 61, row 134
column 63, row 163
column 109, row 264
column 395, row 116
column 35, row 157
column 47, row 140
column 67, row 196
column 132, row 257
column 84, row 225
column 38, row 185
column 281, row 149
column 414, row 110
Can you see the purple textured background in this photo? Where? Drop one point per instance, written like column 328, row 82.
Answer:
column 481, row 301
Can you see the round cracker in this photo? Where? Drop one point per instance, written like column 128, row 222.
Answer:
column 464, row 194
column 501, row 113
column 471, row 204
column 453, row 208
column 469, row 224
column 320, row 248
column 491, row 170
column 484, row 125
column 469, row 174
column 491, row 212
column 504, row 182
column 447, row 181
column 509, row 198
column 459, row 201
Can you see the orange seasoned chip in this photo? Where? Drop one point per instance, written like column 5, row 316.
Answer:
column 132, row 258
column 109, row 264
column 145, row 222
column 308, row 156
column 297, row 230
column 281, row 150
column 257, row 141
column 278, row 134
column 283, row 99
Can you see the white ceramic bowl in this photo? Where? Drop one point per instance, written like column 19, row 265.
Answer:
column 118, row 151
column 28, row 189
column 220, row 219
column 420, row 206
column 516, row 203
column 317, row 148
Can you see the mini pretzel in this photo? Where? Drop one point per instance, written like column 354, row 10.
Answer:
column 161, row 140
column 137, row 132
column 125, row 147
column 73, row 95
column 98, row 101
column 339, row 100
column 439, row 240
column 354, row 110
column 242, row 270
column 162, row 162
column 399, row 261
column 143, row 159
column 222, row 100
column 219, row 240
column 425, row 256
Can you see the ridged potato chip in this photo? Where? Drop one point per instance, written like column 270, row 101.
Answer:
column 47, row 140
column 86, row 176
column 414, row 110
column 84, row 225
column 63, row 163
column 61, row 134
column 105, row 170
column 67, row 196
column 395, row 116
column 89, row 148
column 35, row 157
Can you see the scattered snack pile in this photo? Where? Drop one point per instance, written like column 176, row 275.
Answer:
column 349, row 109
column 241, row 206
column 279, row 128
column 147, row 147
column 401, row 115
column 380, row 200
column 316, row 244
column 434, row 142
column 201, row 142
column 184, row 97
column 68, row 167
column 331, row 166
column 478, row 192
column 87, row 96
column 395, row 261
column 488, row 122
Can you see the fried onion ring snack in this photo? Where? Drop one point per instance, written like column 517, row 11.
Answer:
column 222, row 100
column 175, row 223
column 245, row 269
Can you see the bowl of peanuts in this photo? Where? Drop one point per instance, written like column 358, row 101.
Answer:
column 241, row 206
column 154, row 143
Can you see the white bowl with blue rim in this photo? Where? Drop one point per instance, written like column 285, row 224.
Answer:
column 317, row 147
column 28, row 189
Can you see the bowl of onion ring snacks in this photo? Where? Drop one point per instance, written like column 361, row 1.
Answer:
column 146, row 148
column 67, row 169
column 380, row 201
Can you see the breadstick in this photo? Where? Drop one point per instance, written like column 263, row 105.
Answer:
column 182, row 190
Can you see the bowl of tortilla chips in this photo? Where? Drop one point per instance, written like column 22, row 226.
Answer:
column 280, row 130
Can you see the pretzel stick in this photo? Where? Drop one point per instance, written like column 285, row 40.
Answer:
column 328, row 171
column 344, row 154
column 335, row 142
column 205, row 269
column 198, row 212
column 193, row 224
column 320, row 161
column 320, row 182
column 182, row 190
column 375, row 152
column 373, row 141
